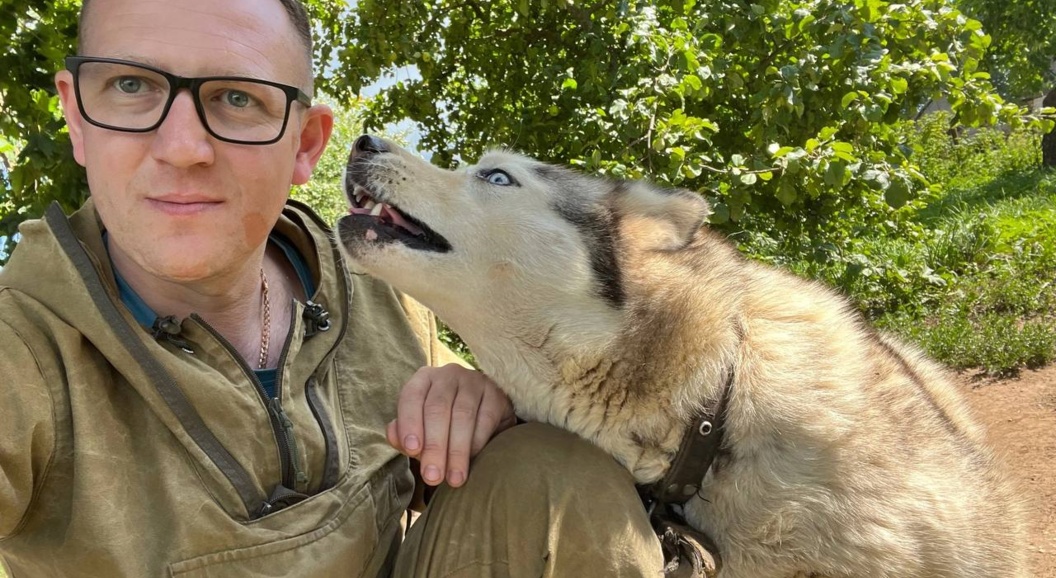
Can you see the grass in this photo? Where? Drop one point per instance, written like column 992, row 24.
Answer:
column 973, row 281
column 994, row 242
column 967, row 272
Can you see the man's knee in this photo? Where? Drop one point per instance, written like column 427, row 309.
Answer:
column 532, row 455
column 539, row 501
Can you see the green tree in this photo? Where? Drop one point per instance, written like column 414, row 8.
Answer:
column 1023, row 49
column 36, row 161
column 1022, row 58
column 781, row 111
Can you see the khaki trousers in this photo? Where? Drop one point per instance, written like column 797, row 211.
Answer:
column 539, row 502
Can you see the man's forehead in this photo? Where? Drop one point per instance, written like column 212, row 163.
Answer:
column 194, row 37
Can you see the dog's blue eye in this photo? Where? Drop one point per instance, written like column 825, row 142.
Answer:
column 498, row 177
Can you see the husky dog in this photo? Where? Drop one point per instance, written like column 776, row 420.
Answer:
column 607, row 308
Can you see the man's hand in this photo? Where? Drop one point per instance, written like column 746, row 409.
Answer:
column 445, row 416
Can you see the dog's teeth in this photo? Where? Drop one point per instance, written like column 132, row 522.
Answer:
column 368, row 203
column 359, row 198
column 376, row 210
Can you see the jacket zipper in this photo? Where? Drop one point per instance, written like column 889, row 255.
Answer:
column 295, row 475
column 281, row 425
column 330, row 462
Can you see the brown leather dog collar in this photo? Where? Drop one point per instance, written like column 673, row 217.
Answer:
column 688, row 553
column 700, row 444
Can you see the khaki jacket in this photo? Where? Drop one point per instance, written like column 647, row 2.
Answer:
column 126, row 455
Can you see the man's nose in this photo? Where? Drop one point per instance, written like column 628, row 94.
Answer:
column 182, row 140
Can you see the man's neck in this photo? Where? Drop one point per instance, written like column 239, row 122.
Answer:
column 230, row 303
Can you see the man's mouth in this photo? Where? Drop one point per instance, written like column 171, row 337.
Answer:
column 377, row 221
column 178, row 205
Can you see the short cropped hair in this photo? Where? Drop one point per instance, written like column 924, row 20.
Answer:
column 294, row 8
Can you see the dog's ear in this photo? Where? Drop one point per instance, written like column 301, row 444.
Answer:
column 660, row 219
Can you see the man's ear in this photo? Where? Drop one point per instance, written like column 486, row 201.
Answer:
column 315, row 133
column 660, row 219
column 70, row 110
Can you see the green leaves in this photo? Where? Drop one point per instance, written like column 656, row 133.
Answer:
column 897, row 193
column 782, row 111
column 1019, row 40
column 36, row 161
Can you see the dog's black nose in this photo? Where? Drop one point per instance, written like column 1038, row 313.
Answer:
column 367, row 144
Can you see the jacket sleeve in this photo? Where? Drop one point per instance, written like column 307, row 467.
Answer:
column 425, row 328
column 27, row 429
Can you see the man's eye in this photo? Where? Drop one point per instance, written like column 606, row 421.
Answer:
column 237, row 99
column 129, row 84
column 498, row 177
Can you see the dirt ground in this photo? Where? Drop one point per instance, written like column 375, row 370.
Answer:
column 1021, row 414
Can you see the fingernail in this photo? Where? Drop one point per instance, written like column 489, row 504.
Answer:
column 431, row 474
column 456, row 478
column 411, row 443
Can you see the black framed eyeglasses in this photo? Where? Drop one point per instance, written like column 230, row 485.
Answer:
column 132, row 97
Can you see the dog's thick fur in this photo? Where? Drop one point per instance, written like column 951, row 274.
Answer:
column 606, row 308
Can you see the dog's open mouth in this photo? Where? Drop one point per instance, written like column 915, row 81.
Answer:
column 377, row 221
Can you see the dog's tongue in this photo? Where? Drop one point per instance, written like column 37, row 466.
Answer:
column 399, row 221
column 390, row 215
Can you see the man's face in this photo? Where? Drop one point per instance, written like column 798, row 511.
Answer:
column 179, row 204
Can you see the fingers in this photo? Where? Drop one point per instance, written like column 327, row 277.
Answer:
column 445, row 416
column 425, row 415
column 393, row 437
column 410, row 427
column 436, row 421
column 462, row 432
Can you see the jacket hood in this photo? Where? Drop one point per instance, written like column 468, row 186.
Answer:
column 59, row 285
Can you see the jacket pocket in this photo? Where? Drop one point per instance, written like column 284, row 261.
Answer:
column 359, row 540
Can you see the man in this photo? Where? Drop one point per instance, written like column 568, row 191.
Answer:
column 195, row 386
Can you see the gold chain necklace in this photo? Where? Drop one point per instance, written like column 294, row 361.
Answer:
column 265, row 322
